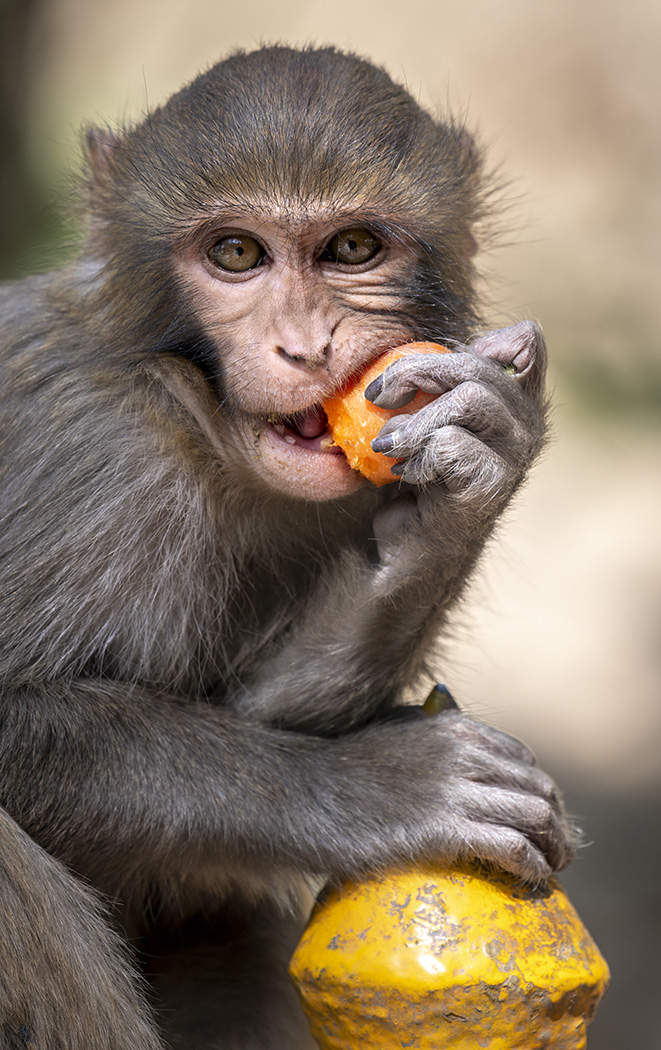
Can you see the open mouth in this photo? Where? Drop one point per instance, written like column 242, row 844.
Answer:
column 296, row 455
column 308, row 430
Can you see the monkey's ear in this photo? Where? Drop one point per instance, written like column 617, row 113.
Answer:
column 100, row 147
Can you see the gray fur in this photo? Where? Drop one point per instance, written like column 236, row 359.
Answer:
column 197, row 668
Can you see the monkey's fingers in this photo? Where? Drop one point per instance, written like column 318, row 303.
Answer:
column 542, row 823
column 478, row 767
column 520, row 349
column 472, row 406
column 435, row 374
column 504, row 847
column 464, row 465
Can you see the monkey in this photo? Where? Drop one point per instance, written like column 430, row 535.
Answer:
column 209, row 620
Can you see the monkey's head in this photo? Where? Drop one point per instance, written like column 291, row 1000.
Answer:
column 280, row 222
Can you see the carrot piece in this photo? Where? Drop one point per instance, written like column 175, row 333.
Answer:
column 354, row 422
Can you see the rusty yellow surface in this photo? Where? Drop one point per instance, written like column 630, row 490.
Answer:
column 459, row 959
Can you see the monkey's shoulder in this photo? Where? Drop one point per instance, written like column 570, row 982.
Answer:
column 41, row 334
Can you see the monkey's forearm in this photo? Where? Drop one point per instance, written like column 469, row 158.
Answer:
column 122, row 784
column 358, row 643
column 128, row 788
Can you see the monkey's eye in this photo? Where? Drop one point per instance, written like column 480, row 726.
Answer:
column 237, row 253
column 352, row 247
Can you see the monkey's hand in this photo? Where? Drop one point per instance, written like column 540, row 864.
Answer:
column 469, row 449
column 454, row 789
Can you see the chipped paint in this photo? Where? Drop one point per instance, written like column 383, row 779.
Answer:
column 454, row 960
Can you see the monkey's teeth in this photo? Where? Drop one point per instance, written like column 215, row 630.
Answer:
column 307, row 430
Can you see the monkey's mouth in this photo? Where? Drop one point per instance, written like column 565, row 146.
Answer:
column 297, row 456
column 308, row 430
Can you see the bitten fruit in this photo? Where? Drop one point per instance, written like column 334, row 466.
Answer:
column 354, row 422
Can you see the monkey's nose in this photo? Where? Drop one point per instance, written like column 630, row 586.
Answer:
column 309, row 358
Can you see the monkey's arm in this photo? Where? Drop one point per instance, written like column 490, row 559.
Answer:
column 358, row 642
column 124, row 785
column 364, row 638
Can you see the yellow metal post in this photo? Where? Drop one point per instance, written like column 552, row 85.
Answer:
column 448, row 960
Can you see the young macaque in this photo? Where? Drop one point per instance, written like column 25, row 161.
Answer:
column 208, row 618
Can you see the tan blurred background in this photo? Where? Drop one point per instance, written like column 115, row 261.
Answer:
column 559, row 642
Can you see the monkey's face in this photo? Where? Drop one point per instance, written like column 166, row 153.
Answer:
column 295, row 303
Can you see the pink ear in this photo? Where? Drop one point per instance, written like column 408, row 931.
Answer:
column 100, row 146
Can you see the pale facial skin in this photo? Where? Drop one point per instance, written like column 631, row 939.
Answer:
column 294, row 301
column 298, row 301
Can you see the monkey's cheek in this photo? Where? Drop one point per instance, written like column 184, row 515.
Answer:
column 304, row 473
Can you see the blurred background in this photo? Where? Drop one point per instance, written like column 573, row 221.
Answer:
column 559, row 640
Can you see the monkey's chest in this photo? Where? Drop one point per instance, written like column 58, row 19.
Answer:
column 204, row 640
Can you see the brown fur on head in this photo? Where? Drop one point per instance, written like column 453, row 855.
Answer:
column 280, row 127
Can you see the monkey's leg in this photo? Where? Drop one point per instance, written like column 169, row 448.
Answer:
column 221, row 981
column 65, row 982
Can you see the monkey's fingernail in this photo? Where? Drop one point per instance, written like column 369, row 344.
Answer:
column 290, row 440
column 385, row 443
column 523, row 360
column 440, row 699
column 326, row 442
column 372, row 391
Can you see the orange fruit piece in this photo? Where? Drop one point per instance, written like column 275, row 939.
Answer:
column 354, row 422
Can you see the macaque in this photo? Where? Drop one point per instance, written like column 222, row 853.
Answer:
column 208, row 620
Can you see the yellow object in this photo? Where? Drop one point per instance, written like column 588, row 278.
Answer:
column 460, row 959
column 354, row 422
